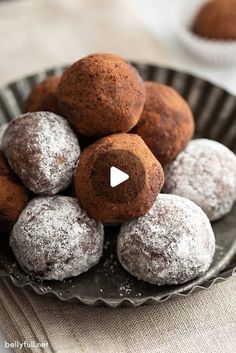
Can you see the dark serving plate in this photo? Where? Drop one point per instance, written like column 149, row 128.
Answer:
column 108, row 283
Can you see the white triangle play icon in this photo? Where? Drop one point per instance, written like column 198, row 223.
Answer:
column 117, row 177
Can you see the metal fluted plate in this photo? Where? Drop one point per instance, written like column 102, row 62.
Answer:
column 108, row 283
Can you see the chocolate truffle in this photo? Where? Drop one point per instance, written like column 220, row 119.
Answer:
column 205, row 172
column 54, row 238
column 2, row 131
column 13, row 196
column 216, row 20
column 101, row 94
column 42, row 150
column 130, row 199
column 166, row 124
column 172, row 244
column 44, row 96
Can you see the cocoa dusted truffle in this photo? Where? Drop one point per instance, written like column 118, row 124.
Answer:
column 216, row 20
column 129, row 199
column 13, row 196
column 55, row 239
column 172, row 244
column 205, row 172
column 166, row 124
column 101, row 94
column 42, row 150
column 44, row 96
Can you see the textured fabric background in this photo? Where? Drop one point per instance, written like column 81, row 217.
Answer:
column 202, row 323
column 37, row 34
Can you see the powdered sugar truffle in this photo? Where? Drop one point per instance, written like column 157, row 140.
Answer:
column 42, row 150
column 172, row 244
column 205, row 172
column 54, row 238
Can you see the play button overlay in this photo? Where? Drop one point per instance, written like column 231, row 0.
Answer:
column 117, row 177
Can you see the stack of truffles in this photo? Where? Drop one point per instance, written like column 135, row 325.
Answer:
column 55, row 195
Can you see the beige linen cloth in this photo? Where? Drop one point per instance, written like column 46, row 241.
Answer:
column 201, row 323
column 35, row 34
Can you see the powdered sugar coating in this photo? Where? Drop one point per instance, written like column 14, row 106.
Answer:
column 205, row 172
column 172, row 244
column 54, row 238
column 43, row 151
column 2, row 130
